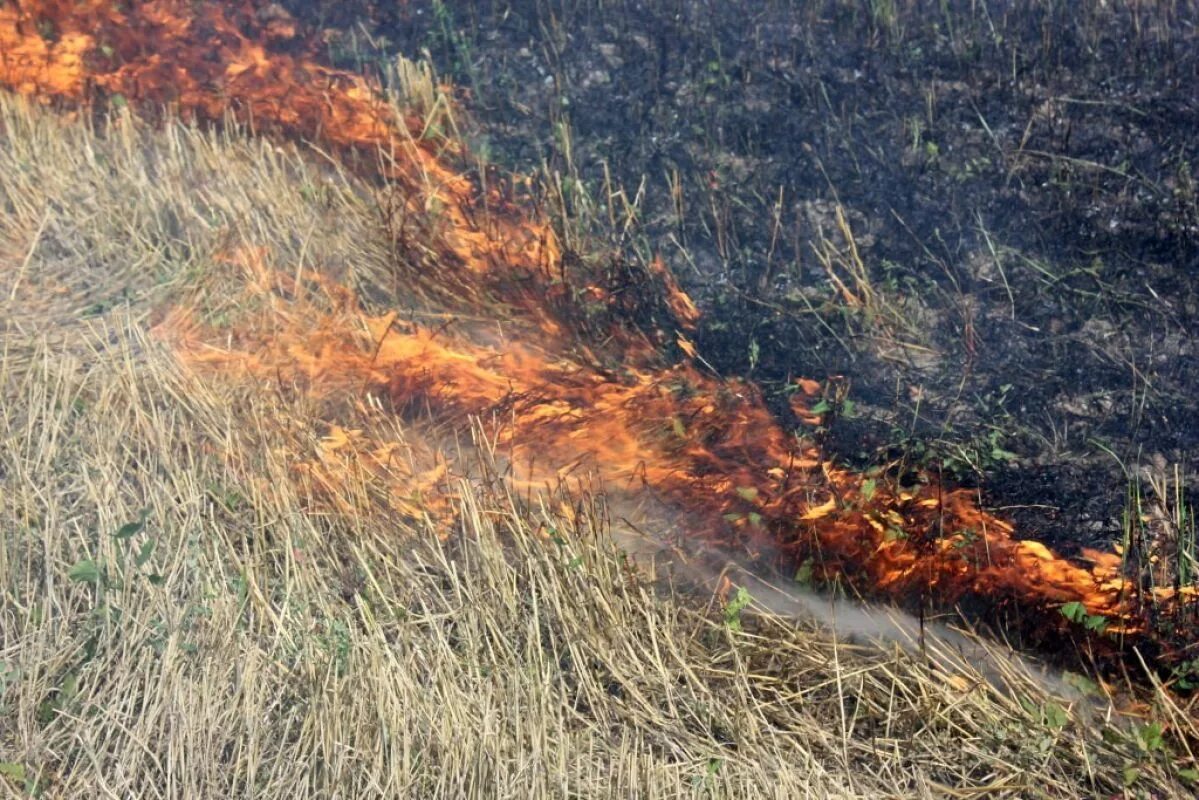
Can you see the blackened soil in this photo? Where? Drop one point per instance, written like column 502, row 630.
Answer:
column 1019, row 179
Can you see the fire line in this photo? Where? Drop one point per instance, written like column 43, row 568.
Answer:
column 708, row 445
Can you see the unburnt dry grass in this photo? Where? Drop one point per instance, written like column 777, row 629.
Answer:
column 183, row 616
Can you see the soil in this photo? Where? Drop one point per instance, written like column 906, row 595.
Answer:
column 1018, row 180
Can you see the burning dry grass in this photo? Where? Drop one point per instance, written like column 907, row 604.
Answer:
column 589, row 379
column 191, row 610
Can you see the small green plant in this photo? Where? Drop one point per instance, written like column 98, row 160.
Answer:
column 954, row 454
column 1158, row 541
column 732, row 610
column 803, row 574
column 1185, row 675
column 17, row 774
column 869, row 487
column 707, row 779
column 1149, row 737
column 1054, row 716
column 1076, row 612
column 335, row 641
column 454, row 42
column 104, row 576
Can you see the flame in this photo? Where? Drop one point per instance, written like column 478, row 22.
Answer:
column 555, row 403
column 708, row 446
column 199, row 60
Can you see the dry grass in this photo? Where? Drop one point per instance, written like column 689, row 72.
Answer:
column 250, row 639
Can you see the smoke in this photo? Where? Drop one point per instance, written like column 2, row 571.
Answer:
column 654, row 536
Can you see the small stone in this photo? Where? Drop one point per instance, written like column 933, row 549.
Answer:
column 597, row 77
column 610, row 54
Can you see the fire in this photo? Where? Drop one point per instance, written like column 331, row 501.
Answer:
column 708, row 446
column 621, row 410
column 199, row 60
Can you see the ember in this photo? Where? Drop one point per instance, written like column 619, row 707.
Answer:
column 624, row 409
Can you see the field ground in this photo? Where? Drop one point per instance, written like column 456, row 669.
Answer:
column 204, row 596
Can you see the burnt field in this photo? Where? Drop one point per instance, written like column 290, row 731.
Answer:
column 533, row 427
column 975, row 222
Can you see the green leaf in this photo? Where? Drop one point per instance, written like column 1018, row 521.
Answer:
column 999, row 454
column 1189, row 775
column 1075, row 611
column 1150, row 736
column 755, row 519
column 803, row 575
column 1055, row 716
column 156, row 579
column 747, row 492
column 13, row 770
column 679, row 429
column 868, row 488
column 1130, row 775
column 847, row 409
column 732, row 611
column 1096, row 623
column 129, row 529
column 85, row 571
column 143, row 554
column 820, row 408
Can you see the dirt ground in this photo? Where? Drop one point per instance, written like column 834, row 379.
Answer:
column 1009, row 295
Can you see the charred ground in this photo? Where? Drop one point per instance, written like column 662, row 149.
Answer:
column 1019, row 182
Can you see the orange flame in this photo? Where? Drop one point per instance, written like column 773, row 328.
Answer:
column 702, row 444
column 200, row 60
column 708, row 446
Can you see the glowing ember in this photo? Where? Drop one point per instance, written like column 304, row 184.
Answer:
column 620, row 410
